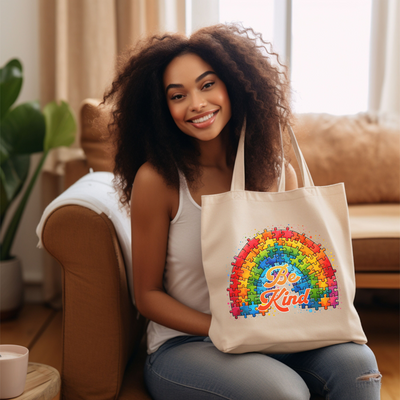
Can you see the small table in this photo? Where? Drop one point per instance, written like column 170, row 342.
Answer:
column 42, row 382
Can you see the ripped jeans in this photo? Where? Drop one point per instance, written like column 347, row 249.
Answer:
column 191, row 367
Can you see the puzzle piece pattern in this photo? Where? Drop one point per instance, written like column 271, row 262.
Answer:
column 278, row 247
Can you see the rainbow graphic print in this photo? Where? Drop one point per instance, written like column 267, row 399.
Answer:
column 271, row 263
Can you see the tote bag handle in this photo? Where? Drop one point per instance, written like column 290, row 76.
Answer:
column 238, row 178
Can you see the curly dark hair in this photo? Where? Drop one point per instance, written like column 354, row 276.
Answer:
column 143, row 128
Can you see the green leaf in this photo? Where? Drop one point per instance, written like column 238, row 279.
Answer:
column 22, row 130
column 13, row 174
column 60, row 125
column 5, row 148
column 12, row 228
column 10, row 85
column 14, row 63
column 4, row 203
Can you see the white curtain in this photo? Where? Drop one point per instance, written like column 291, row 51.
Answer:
column 80, row 40
column 384, row 95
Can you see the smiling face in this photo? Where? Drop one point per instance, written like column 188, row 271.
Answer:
column 197, row 99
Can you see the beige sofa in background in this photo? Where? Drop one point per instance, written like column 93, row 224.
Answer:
column 365, row 156
column 101, row 329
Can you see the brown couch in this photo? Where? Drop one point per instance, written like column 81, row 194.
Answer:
column 103, row 341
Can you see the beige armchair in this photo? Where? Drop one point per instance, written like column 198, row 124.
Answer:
column 103, row 335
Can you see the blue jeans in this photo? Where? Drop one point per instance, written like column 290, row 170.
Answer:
column 191, row 367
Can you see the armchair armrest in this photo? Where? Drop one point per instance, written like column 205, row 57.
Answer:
column 101, row 328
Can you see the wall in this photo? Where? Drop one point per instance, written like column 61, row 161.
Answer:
column 19, row 38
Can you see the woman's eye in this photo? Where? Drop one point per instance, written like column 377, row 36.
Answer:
column 177, row 97
column 208, row 85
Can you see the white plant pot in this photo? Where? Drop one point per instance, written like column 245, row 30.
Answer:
column 11, row 288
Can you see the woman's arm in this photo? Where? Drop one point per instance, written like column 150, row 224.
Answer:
column 152, row 204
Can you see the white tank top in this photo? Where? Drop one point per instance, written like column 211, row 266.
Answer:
column 184, row 277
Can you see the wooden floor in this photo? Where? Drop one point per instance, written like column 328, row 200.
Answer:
column 39, row 329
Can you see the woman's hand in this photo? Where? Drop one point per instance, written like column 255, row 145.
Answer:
column 153, row 205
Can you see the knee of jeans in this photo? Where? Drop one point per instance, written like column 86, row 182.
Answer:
column 370, row 376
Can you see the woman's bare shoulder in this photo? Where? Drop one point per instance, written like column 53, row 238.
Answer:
column 290, row 179
column 148, row 175
column 151, row 190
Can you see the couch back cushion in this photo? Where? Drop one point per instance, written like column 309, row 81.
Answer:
column 95, row 139
column 353, row 149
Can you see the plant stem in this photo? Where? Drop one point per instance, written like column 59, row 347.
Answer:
column 12, row 228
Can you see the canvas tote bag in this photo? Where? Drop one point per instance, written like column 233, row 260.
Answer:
column 279, row 265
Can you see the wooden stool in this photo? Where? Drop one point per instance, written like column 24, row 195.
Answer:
column 42, row 382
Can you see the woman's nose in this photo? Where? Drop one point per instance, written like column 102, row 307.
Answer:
column 198, row 102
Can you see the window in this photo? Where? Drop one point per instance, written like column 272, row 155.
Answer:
column 330, row 55
column 328, row 42
column 256, row 14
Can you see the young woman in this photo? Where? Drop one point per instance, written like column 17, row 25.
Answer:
column 179, row 105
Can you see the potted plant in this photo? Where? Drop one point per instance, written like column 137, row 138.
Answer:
column 25, row 130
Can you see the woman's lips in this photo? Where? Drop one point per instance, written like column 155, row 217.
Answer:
column 204, row 124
